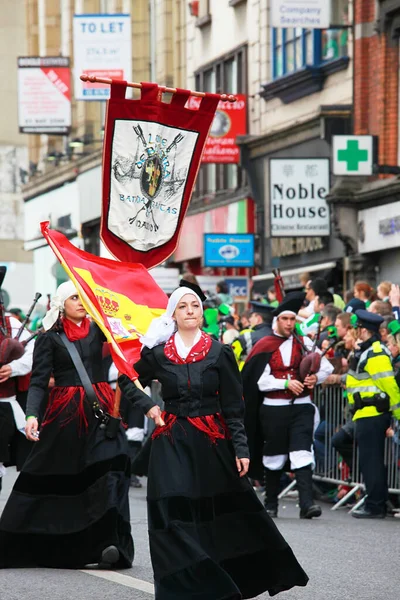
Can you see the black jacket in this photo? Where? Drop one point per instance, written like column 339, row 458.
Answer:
column 194, row 389
column 50, row 357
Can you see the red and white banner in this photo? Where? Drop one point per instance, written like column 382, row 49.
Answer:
column 152, row 153
column 44, row 95
column 230, row 121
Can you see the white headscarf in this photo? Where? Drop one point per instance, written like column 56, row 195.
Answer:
column 161, row 328
column 64, row 291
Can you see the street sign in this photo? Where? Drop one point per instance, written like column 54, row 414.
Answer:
column 229, row 250
column 353, row 154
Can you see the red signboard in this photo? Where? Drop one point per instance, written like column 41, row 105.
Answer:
column 229, row 122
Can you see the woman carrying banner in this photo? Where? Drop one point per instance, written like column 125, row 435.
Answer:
column 210, row 537
column 69, row 506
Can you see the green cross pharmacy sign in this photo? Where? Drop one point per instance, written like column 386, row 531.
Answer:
column 352, row 154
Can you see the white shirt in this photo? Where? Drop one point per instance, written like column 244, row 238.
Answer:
column 21, row 366
column 183, row 350
column 268, row 383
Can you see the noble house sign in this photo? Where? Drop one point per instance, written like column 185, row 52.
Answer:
column 298, row 188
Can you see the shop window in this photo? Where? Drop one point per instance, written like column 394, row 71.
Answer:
column 296, row 48
column 228, row 75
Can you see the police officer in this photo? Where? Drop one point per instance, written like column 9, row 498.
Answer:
column 260, row 320
column 374, row 395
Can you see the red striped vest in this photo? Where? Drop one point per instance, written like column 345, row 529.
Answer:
column 281, row 371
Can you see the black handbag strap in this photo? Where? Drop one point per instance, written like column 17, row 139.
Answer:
column 79, row 366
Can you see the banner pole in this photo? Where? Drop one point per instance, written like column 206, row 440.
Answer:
column 94, row 79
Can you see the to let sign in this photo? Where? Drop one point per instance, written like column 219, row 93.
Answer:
column 309, row 14
column 353, row 154
column 103, row 48
column 298, row 188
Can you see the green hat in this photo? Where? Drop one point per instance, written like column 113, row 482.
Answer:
column 353, row 321
column 224, row 309
column 394, row 327
column 211, row 319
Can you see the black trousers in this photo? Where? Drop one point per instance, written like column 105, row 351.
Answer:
column 370, row 436
column 287, row 428
column 343, row 442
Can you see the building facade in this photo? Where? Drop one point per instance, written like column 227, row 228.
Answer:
column 301, row 88
column 18, row 284
column 65, row 171
column 366, row 209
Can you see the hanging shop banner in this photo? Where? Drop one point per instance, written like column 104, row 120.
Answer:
column 230, row 121
column 229, row 250
column 152, row 152
column 44, row 95
column 102, row 47
column 298, row 189
column 309, row 14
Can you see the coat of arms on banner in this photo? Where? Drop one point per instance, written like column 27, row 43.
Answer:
column 152, row 153
column 149, row 170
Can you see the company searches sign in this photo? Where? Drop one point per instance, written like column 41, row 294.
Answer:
column 298, row 188
column 310, row 14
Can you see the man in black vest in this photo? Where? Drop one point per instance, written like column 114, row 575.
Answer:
column 280, row 416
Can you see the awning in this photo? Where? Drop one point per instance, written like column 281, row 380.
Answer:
column 297, row 271
column 291, row 276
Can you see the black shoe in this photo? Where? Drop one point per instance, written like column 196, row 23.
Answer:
column 135, row 483
column 109, row 557
column 312, row 511
column 273, row 512
column 364, row 513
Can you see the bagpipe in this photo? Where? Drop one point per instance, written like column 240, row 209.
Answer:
column 10, row 347
column 311, row 361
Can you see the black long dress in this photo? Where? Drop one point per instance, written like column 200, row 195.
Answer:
column 70, row 501
column 210, row 537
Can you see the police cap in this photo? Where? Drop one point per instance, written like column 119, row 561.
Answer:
column 261, row 308
column 368, row 320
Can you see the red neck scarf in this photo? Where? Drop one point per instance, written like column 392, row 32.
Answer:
column 198, row 352
column 75, row 332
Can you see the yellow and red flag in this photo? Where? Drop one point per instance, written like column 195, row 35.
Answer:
column 122, row 298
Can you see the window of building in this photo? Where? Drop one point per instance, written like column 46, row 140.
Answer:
column 228, row 75
column 296, row 48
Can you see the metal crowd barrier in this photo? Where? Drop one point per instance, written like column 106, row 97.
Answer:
column 334, row 414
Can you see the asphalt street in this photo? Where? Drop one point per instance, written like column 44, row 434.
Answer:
column 345, row 559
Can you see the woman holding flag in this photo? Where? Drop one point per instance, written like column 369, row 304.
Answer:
column 210, row 537
column 69, row 506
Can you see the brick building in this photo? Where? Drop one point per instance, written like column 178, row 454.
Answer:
column 367, row 210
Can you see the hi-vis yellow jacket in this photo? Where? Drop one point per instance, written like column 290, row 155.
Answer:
column 238, row 348
column 374, row 374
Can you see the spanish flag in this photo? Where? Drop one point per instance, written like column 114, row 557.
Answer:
column 122, row 298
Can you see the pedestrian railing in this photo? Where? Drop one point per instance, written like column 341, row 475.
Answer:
column 330, row 466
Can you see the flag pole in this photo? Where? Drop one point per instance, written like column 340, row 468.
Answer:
column 168, row 90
